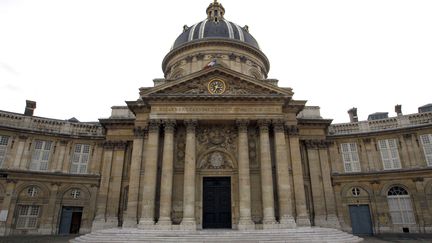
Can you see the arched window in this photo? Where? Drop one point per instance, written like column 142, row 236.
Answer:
column 400, row 207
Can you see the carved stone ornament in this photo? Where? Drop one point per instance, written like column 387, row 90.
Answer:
column 264, row 125
column 215, row 160
column 278, row 125
column 229, row 86
column 293, row 130
column 242, row 125
column 153, row 125
column 223, row 137
column 169, row 125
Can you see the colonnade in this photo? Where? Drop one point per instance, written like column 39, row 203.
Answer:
column 145, row 146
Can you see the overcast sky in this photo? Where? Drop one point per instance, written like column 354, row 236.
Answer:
column 78, row 58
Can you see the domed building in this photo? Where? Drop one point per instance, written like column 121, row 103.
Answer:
column 215, row 144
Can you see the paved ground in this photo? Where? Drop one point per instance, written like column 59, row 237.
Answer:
column 396, row 238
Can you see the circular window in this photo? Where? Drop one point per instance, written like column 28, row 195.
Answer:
column 355, row 191
column 75, row 193
column 32, row 191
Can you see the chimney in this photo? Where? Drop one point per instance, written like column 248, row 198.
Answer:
column 353, row 114
column 29, row 109
column 398, row 110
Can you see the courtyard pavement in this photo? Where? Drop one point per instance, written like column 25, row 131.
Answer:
column 396, row 238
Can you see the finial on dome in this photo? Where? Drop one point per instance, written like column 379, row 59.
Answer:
column 215, row 11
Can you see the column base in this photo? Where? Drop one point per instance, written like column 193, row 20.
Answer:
column 163, row 224
column 303, row 221
column 269, row 224
column 320, row 220
column 246, row 224
column 146, row 223
column 333, row 221
column 287, row 222
column 109, row 223
column 188, row 224
column 130, row 223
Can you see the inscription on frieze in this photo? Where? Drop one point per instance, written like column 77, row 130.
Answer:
column 204, row 109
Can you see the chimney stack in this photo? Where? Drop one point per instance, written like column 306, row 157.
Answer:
column 29, row 109
column 353, row 114
column 398, row 110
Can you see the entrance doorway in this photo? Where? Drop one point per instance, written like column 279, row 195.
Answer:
column 361, row 222
column 216, row 202
column 70, row 220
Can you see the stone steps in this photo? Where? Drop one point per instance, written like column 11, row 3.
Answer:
column 301, row 234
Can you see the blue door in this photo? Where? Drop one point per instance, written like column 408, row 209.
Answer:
column 361, row 222
column 70, row 220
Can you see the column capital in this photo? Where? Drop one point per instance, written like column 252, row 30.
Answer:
column 140, row 132
column 114, row 144
column 242, row 125
column 317, row 144
column 190, row 125
column 264, row 125
column 153, row 125
column 279, row 125
column 169, row 125
column 293, row 130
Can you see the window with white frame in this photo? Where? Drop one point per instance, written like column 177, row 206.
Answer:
column 426, row 141
column 41, row 154
column 400, row 207
column 350, row 157
column 80, row 158
column 28, row 216
column 3, row 146
column 389, row 154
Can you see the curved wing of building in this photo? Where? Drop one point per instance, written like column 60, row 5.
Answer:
column 215, row 144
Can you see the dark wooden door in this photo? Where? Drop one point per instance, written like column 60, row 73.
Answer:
column 216, row 202
column 361, row 222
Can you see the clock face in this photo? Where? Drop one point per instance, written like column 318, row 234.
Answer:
column 216, row 86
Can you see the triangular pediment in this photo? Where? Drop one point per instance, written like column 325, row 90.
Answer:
column 199, row 84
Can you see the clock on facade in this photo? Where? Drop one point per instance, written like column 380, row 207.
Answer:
column 216, row 86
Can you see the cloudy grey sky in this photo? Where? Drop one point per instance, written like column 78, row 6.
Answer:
column 77, row 58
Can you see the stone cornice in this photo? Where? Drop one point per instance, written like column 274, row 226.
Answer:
column 383, row 175
column 55, row 127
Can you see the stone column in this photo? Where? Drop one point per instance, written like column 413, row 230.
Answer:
column 150, row 177
column 167, row 176
column 6, row 209
column 99, row 221
column 283, row 178
column 245, row 221
column 332, row 219
column 131, row 218
column 319, row 205
column 188, row 221
column 302, row 217
column 266, row 176
column 112, row 216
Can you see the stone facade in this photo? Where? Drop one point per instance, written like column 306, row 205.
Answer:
column 144, row 166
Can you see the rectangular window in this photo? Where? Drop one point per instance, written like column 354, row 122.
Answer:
column 3, row 146
column 389, row 154
column 350, row 157
column 28, row 216
column 426, row 141
column 400, row 208
column 41, row 154
column 80, row 159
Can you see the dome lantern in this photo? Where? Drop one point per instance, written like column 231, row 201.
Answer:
column 215, row 11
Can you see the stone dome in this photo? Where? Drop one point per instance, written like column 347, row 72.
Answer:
column 215, row 26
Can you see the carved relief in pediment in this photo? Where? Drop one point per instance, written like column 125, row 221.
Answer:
column 201, row 87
